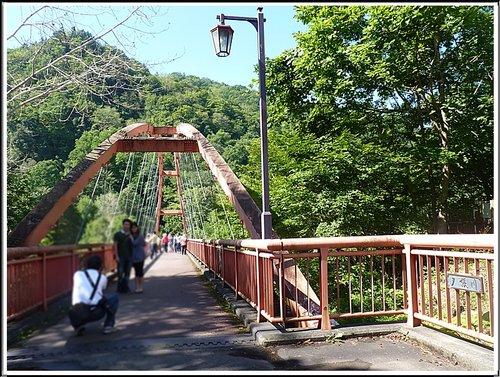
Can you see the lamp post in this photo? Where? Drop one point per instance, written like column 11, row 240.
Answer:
column 222, row 36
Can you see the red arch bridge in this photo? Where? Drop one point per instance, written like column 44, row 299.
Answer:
column 445, row 280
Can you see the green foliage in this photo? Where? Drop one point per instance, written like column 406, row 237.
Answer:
column 26, row 188
column 364, row 115
column 394, row 105
column 334, row 337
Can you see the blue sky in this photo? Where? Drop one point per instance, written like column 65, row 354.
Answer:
column 182, row 31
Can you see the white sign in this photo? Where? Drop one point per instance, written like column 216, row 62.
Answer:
column 466, row 282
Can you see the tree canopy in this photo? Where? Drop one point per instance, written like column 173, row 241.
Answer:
column 396, row 105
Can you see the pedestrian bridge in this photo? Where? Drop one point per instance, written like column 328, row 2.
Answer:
column 446, row 281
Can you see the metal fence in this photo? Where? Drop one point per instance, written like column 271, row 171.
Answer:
column 447, row 280
column 39, row 275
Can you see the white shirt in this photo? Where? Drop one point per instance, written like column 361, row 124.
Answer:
column 82, row 289
column 183, row 240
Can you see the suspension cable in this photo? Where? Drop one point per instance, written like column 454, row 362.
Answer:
column 185, row 198
column 219, row 228
column 147, row 186
column 88, row 206
column 196, row 196
column 200, row 220
column 224, row 207
column 119, row 195
column 149, row 213
column 189, row 210
column 132, row 154
column 139, row 182
column 189, row 201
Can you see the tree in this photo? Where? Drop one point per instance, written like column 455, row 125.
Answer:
column 69, row 59
column 416, row 79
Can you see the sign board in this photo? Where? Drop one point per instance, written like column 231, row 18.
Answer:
column 465, row 282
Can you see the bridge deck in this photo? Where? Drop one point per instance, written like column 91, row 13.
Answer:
column 175, row 303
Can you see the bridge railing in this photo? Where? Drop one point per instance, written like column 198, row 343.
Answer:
column 38, row 275
column 446, row 280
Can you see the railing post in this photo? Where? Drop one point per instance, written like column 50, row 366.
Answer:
column 325, row 313
column 204, row 258
column 44, row 274
column 213, row 253
column 236, row 248
column 282, row 287
column 222, row 273
column 258, row 283
column 411, row 277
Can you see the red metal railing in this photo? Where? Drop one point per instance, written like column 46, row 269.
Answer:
column 363, row 277
column 453, row 283
column 39, row 275
column 418, row 276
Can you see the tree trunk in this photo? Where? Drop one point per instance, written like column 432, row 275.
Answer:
column 441, row 125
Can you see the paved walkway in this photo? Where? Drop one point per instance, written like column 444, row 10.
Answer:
column 177, row 325
column 175, row 303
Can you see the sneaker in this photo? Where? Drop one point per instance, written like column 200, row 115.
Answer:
column 107, row 330
column 80, row 331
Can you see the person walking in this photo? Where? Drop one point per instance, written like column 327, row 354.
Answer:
column 164, row 242
column 183, row 242
column 122, row 245
column 138, row 256
column 171, row 243
column 177, row 243
column 88, row 289
column 154, row 240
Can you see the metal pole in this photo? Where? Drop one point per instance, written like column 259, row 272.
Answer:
column 266, row 221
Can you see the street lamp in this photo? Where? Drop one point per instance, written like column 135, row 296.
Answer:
column 222, row 36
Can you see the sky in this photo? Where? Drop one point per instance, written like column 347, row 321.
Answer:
column 179, row 36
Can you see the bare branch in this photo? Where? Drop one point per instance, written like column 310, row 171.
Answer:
column 25, row 22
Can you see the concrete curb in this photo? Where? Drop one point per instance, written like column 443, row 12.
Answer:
column 469, row 355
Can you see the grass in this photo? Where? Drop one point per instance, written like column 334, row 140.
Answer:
column 334, row 337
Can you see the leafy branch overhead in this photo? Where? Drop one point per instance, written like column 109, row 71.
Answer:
column 411, row 83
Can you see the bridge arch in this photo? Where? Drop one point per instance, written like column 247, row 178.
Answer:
column 182, row 138
column 141, row 137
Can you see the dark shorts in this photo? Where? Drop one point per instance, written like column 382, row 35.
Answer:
column 139, row 269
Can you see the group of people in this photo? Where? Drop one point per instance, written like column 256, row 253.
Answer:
column 171, row 243
column 168, row 243
column 130, row 251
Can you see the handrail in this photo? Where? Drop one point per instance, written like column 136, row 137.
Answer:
column 476, row 241
column 37, row 275
column 17, row 252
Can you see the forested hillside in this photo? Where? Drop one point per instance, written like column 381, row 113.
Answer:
column 380, row 122
column 48, row 136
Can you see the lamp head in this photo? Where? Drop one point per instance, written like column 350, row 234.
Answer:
column 222, row 37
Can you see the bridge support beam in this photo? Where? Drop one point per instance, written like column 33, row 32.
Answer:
column 31, row 230
column 160, row 193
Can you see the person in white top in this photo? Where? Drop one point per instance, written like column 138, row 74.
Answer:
column 183, row 241
column 101, row 305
